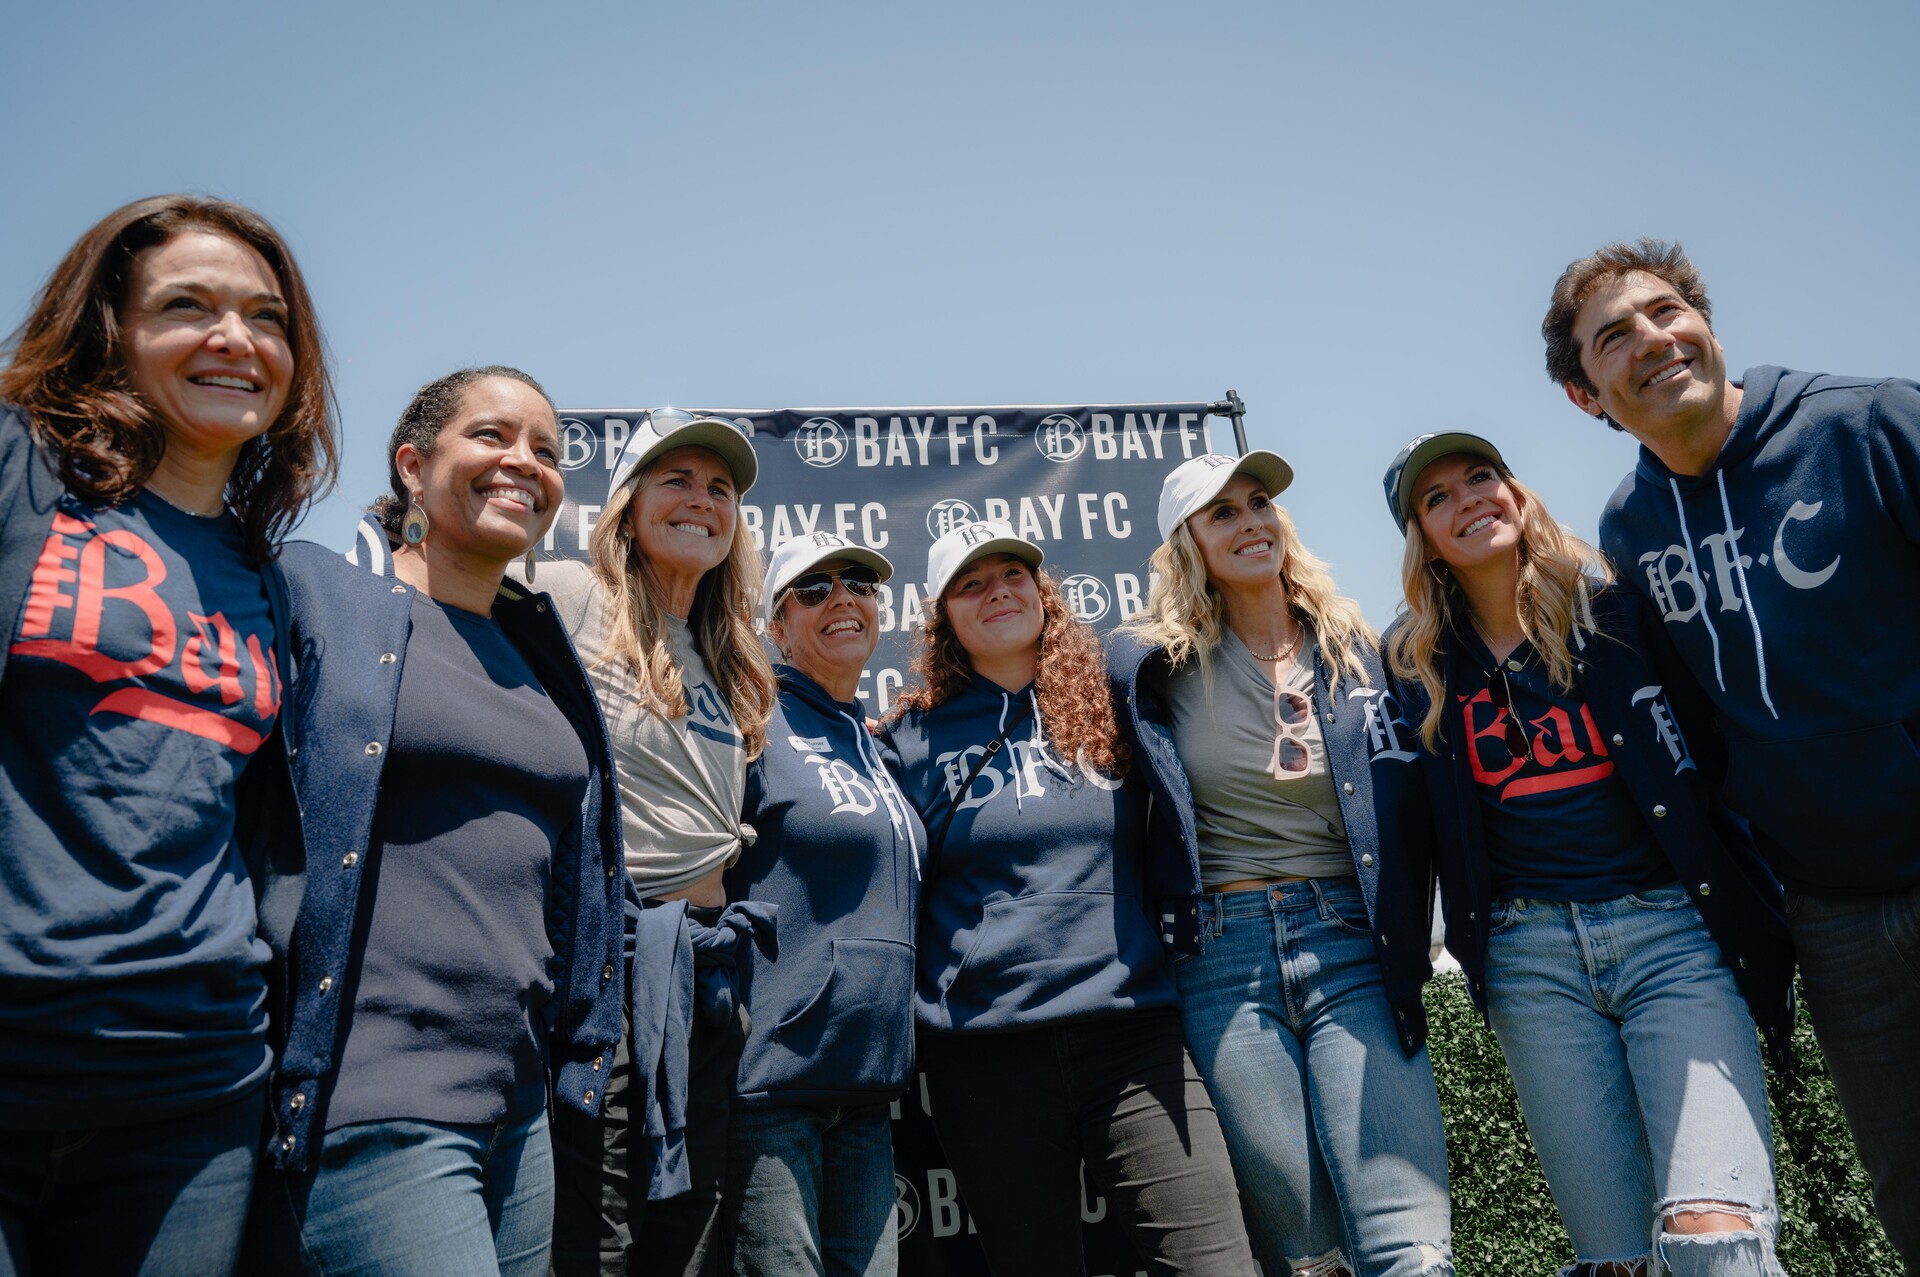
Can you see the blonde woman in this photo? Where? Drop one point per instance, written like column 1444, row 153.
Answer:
column 1608, row 925
column 663, row 621
column 1256, row 708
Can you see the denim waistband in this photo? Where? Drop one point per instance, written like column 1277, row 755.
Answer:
column 1300, row 894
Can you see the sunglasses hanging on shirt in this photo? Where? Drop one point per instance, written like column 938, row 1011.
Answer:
column 1500, row 691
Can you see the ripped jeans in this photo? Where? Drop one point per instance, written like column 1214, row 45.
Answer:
column 1638, row 1069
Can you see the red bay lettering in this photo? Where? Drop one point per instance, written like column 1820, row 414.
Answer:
column 193, row 661
column 1494, row 730
column 50, row 572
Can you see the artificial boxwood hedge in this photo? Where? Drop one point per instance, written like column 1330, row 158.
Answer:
column 1504, row 1224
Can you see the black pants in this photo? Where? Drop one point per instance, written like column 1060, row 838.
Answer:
column 1017, row 1112
column 600, row 1227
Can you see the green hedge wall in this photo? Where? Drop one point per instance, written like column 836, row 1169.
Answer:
column 1504, row 1224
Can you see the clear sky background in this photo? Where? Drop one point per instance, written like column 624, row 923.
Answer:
column 1352, row 214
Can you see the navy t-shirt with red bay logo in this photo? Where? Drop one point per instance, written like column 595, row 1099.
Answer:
column 1559, row 825
column 140, row 679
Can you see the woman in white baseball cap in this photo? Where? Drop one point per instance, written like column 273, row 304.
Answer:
column 1609, row 920
column 1049, row 1023
column 1255, row 705
column 663, row 620
column 810, row 1143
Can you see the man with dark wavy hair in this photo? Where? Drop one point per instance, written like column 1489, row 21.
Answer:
column 1774, row 521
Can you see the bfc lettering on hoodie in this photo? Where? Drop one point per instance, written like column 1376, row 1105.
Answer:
column 129, row 614
column 1681, row 589
column 1025, row 773
column 845, row 787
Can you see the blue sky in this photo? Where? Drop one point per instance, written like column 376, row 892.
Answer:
column 1352, row 214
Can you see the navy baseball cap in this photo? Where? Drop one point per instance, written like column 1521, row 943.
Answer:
column 1421, row 452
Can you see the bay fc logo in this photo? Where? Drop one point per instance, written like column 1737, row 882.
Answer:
column 906, row 1207
column 947, row 515
column 1059, row 438
column 1087, row 597
column 576, row 443
column 821, row 442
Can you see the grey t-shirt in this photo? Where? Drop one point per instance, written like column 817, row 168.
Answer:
column 1262, row 796
column 682, row 781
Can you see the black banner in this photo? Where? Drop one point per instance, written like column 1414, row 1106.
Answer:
column 1083, row 482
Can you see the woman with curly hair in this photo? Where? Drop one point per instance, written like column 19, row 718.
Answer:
column 1049, row 1023
column 1256, row 707
column 165, row 417
column 663, row 618
column 1608, row 918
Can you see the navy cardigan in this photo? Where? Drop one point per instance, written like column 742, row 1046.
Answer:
column 310, row 813
column 1370, row 752
column 1640, row 699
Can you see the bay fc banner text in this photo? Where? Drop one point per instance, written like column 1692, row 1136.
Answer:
column 1082, row 482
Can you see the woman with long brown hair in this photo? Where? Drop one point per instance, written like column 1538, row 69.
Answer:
column 1049, row 1023
column 165, row 417
column 663, row 618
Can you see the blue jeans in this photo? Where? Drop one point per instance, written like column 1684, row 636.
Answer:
column 1638, row 1069
column 1860, row 963
column 1335, row 1133
column 160, row 1199
column 429, row 1199
column 810, row 1190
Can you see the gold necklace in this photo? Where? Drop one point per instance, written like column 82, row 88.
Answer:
column 1299, row 632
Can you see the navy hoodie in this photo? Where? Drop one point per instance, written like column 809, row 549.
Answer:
column 1035, row 906
column 1789, row 579
column 838, row 851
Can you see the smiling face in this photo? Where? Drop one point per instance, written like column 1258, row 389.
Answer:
column 682, row 517
column 830, row 642
column 1468, row 513
column 1655, row 366
column 492, row 482
column 993, row 605
column 1238, row 535
column 204, row 327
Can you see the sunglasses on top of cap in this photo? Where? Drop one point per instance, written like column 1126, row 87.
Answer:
column 816, row 588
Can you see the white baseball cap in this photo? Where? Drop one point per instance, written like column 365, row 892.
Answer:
column 971, row 541
column 796, row 557
column 664, row 429
column 1194, row 483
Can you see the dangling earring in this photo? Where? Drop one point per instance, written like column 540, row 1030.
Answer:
column 414, row 528
column 531, row 564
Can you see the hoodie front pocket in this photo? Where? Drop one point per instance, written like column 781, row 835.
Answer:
column 1053, row 954
column 1838, row 808
column 857, row 1030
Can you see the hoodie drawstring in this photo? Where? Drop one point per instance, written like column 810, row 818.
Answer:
column 1753, row 613
column 883, row 785
column 1699, row 582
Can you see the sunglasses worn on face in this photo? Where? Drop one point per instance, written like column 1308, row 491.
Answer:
column 1291, row 714
column 1500, row 692
column 816, row 588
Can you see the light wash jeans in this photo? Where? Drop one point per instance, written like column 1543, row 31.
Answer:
column 428, row 1199
column 1860, row 961
column 1638, row 1069
column 1335, row 1134
column 810, row 1190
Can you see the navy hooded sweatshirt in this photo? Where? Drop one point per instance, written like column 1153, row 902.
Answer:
column 1789, row 579
column 1035, row 901
column 838, row 851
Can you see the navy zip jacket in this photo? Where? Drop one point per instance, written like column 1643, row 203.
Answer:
column 312, row 812
column 1370, row 750
column 1639, row 701
column 1788, row 576
column 837, row 852
column 1036, row 900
